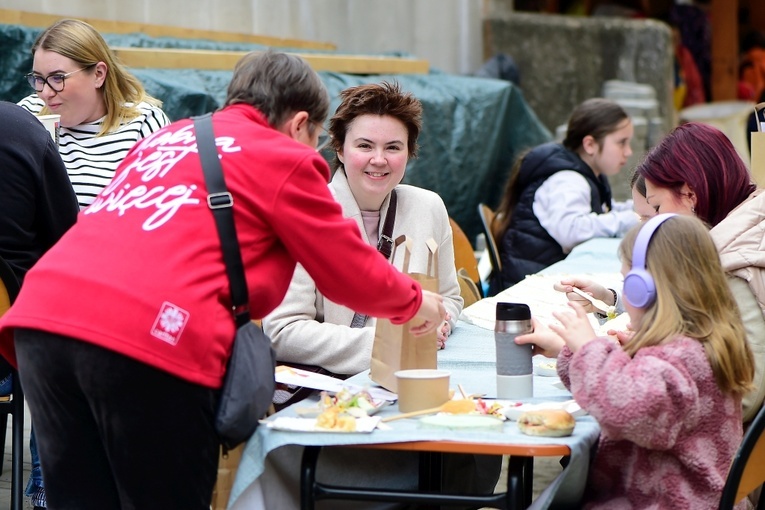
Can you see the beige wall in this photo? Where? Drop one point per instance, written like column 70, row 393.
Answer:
column 445, row 32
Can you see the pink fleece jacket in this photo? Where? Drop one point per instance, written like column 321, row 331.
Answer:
column 668, row 433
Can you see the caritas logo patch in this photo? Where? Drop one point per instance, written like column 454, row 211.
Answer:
column 169, row 323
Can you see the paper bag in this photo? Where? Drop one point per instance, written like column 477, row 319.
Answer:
column 394, row 347
column 758, row 149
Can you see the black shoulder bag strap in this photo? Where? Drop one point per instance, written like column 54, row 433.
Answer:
column 220, row 201
column 384, row 246
column 385, row 243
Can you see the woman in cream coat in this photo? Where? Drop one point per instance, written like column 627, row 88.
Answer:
column 374, row 132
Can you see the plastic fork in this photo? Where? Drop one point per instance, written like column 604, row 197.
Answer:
column 597, row 303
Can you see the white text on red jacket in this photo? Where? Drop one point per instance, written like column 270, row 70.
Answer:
column 151, row 166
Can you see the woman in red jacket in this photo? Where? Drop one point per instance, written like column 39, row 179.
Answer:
column 123, row 330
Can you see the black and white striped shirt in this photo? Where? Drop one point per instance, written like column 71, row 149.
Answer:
column 92, row 160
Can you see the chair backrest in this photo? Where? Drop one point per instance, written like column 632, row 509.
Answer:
column 496, row 284
column 464, row 255
column 747, row 472
column 9, row 286
column 468, row 288
column 487, row 216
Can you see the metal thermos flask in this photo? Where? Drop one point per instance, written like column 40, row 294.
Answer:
column 514, row 365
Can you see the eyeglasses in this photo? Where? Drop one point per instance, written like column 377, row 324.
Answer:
column 55, row 81
column 324, row 138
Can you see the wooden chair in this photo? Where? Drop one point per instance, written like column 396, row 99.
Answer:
column 747, row 472
column 9, row 289
column 468, row 288
column 486, row 214
column 464, row 255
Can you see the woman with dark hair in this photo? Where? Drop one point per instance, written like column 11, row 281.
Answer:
column 558, row 195
column 695, row 170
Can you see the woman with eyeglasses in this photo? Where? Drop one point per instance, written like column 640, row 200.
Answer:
column 104, row 109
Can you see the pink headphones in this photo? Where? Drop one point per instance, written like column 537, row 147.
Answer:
column 639, row 287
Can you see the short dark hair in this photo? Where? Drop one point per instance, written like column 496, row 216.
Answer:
column 376, row 99
column 278, row 84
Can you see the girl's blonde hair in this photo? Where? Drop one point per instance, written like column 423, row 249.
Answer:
column 82, row 43
column 692, row 299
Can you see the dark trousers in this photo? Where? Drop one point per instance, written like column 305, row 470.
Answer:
column 114, row 433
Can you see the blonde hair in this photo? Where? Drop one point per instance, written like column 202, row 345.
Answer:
column 82, row 43
column 692, row 299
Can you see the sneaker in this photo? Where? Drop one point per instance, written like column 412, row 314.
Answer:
column 38, row 499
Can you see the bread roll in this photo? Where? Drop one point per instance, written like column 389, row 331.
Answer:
column 547, row 422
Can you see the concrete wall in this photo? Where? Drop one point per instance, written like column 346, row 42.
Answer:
column 564, row 60
column 445, row 32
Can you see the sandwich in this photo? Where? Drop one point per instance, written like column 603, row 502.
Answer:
column 547, row 422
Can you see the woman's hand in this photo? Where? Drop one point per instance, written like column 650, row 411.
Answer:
column 545, row 341
column 592, row 288
column 574, row 328
column 430, row 314
column 443, row 332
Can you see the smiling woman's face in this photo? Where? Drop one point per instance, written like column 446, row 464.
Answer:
column 374, row 156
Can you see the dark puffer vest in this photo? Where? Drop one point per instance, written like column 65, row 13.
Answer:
column 526, row 247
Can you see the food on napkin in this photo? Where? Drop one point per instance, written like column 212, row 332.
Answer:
column 356, row 403
column 336, row 419
column 339, row 411
column 477, row 406
column 547, row 422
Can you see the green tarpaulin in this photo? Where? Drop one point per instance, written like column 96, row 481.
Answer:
column 472, row 127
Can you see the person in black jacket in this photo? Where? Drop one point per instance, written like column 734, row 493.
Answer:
column 37, row 206
column 37, row 202
column 558, row 195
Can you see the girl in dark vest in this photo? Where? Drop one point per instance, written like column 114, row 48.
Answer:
column 558, row 194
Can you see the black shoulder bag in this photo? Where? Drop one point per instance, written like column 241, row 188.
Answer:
column 249, row 383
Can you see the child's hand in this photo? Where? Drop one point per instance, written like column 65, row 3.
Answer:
column 574, row 328
column 623, row 337
column 589, row 286
column 546, row 342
